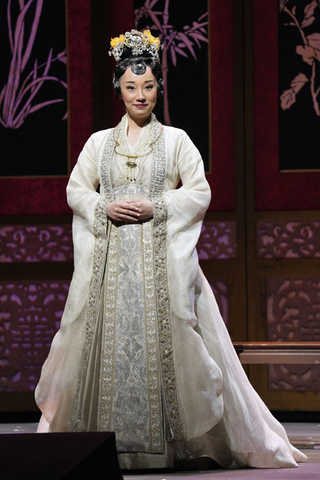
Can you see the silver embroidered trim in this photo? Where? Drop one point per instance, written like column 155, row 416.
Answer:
column 164, row 322
column 100, row 249
column 161, row 281
column 154, row 390
column 159, row 161
column 100, row 232
column 99, row 258
column 105, row 167
column 109, row 336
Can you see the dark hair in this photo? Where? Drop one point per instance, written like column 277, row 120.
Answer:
column 138, row 66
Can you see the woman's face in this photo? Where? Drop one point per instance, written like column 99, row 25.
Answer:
column 139, row 94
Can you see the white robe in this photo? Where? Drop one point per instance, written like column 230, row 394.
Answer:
column 199, row 400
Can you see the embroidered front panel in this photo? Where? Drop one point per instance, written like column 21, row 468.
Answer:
column 130, row 390
column 130, row 415
column 161, row 310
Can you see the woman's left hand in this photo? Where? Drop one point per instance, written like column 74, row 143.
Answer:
column 145, row 208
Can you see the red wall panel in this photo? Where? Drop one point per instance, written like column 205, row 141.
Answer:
column 46, row 195
column 274, row 190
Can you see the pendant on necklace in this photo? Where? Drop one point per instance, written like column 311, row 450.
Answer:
column 131, row 165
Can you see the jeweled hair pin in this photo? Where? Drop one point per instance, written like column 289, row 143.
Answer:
column 138, row 42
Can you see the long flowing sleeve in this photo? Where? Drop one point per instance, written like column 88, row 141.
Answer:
column 200, row 400
column 186, row 208
column 223, row 414
column 60, row 373
column 82, row 187
column 87, row 203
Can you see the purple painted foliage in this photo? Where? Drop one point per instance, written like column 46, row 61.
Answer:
column 307, row 24
column 18, row 96
column 174, row 42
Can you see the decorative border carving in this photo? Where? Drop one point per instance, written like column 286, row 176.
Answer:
column 288, row 239
column 218, row 240
column 293, row 314
column 29, row 318
column 36, row 243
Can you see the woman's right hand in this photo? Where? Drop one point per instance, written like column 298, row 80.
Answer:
column 123, row 212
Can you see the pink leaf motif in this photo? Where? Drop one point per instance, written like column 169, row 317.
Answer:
column 314, row 40
column 288, row 97
column 204, row 15
column 197, row 37
column 181, row 52
column 153, row 3
column 187, row 42
column 44, row 104
column 282, row 4
column 307, row 22
column 173, row 55
column 16, row 100
column 298, row 82
column 155, row 19
column 308, row 53
column 62, row 57
column 309, row 11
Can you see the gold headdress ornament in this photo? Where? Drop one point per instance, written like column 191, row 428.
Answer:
column 139, row 42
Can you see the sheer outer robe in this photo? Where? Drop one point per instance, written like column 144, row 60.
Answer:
column 247, row 432
column 185, row 210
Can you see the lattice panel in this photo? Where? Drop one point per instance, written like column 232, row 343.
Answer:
column 218, row 240
column 35, row 243
column 293, row 314
column 53, row 243
column 31, row 311
column 30, row 315
column 288, row 239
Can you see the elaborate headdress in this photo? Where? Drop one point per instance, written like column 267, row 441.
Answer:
column 138, row 42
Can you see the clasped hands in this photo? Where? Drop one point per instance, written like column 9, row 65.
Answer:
column 130, row 212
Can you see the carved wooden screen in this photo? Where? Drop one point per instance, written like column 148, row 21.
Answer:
column 283, row 201
column 35, row 231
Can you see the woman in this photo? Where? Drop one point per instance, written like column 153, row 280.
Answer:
column 142, row 349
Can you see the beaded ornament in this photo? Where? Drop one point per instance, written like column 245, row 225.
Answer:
column 139, row 42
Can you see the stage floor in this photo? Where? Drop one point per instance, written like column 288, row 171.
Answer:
column 305, row 436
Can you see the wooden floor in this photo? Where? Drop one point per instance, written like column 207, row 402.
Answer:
column 305, row 436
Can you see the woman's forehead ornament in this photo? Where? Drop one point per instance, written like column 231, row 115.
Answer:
column 138, row 42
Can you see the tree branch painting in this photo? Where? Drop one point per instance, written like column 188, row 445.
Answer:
column 157, row 19
column 308, row 49
column 18, row 97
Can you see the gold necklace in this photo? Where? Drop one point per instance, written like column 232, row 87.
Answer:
column 131, row 163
